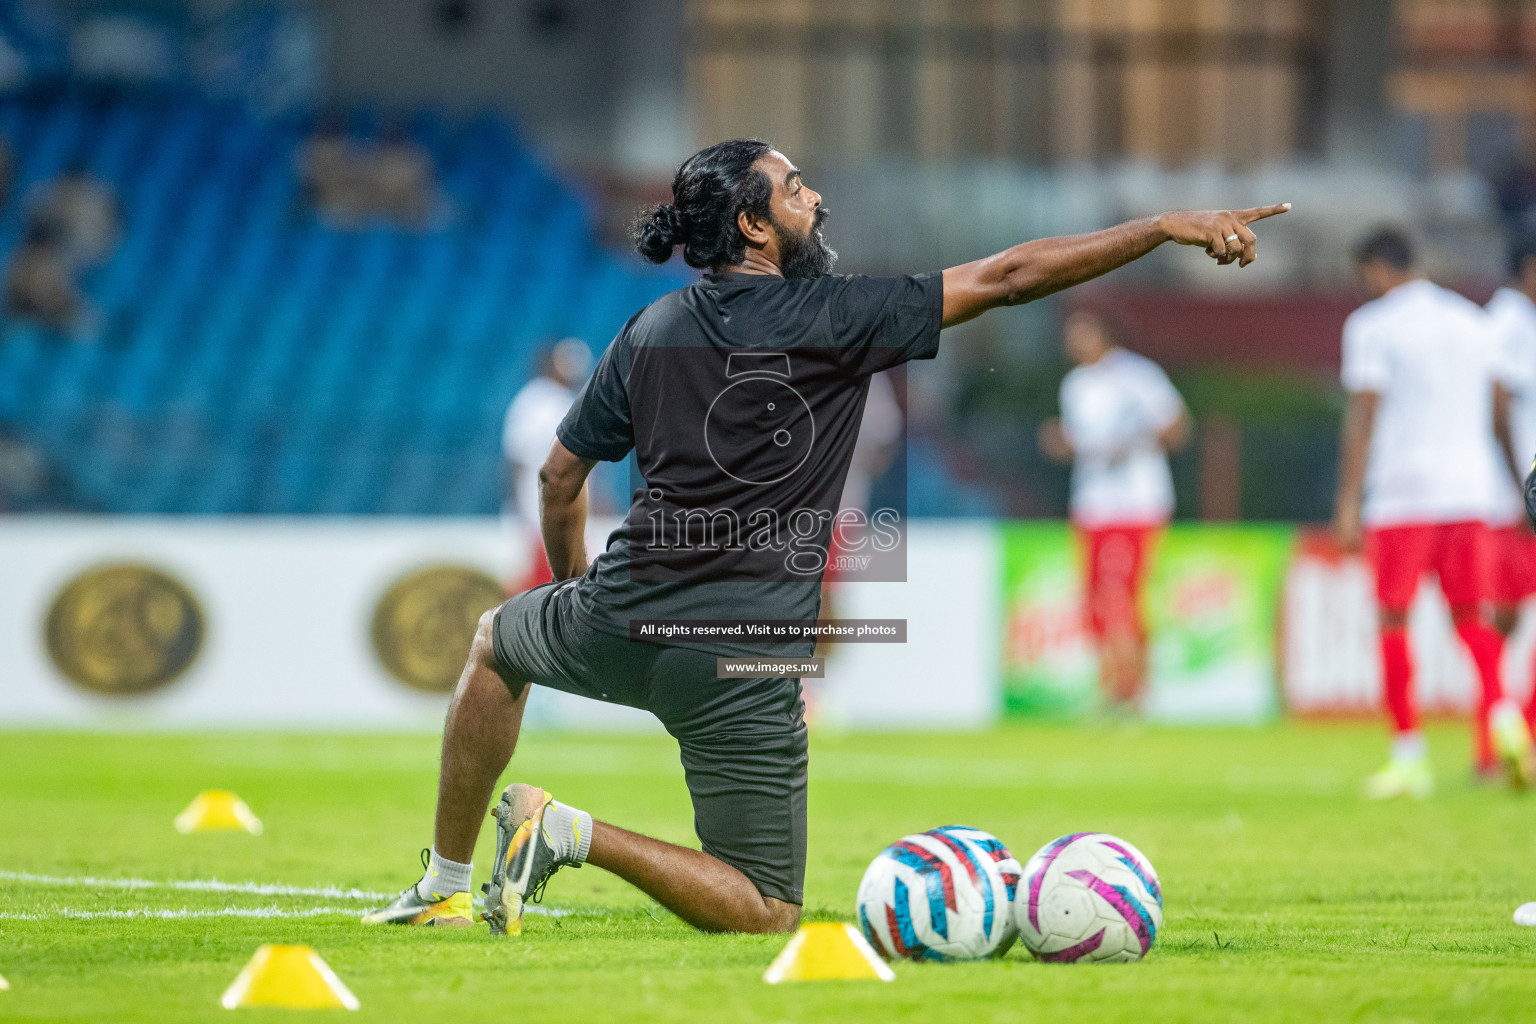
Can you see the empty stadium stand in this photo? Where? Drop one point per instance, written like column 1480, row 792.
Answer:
column 251, row 359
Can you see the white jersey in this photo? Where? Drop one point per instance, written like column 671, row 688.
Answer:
column 1514, row 328
column 1112, row 413
column 526, row 436
column 1431, row 356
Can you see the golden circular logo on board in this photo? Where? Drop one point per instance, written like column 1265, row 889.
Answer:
column 425, row 623
column 123, row 629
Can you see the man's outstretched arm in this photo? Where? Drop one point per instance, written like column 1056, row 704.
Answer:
column 1036, row 269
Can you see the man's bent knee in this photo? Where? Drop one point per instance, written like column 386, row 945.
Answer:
column 482, row 653
column 782, row 917
column 484, row 645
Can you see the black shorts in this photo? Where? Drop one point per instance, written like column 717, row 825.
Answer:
column 742, row 741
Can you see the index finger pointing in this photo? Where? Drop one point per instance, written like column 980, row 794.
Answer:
column 1260, row 212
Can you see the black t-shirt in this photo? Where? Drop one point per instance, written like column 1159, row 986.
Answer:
column 741, row 396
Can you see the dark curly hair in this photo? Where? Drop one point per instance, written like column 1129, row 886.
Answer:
column 1389, row 245
column 711, row 188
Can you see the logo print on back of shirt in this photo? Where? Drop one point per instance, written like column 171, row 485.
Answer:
column 751, row 504
column 759, row 429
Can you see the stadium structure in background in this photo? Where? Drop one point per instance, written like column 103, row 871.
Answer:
column 1046, row 119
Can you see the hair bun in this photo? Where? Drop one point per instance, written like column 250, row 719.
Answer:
column 669, row 219
column 660, row 232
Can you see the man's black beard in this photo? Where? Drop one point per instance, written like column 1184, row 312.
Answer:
column 805, row 255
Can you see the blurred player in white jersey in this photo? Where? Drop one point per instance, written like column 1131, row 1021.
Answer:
column 1513, row 312
column 1420, row 478
column 527, row 433
column 1120, row 416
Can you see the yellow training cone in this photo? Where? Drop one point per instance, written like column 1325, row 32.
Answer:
column 218, row 810
column 3, row 983
column 825, row 951
column 289, row 976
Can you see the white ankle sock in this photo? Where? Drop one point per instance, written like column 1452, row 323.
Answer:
column 443, row 878
column 1408, row 747
column 570, row 830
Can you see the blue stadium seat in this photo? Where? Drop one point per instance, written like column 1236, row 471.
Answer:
column 252, row 359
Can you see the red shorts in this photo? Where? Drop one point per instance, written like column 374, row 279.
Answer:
column 1115, row 564
column 1514, row 565
column 1460, row 554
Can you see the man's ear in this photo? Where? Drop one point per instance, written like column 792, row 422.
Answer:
column 754, row 229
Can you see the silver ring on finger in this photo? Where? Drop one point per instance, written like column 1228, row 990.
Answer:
column 1231, row 238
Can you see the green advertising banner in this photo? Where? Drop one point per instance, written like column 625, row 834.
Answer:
column 1211, row 602
column 1047, row 664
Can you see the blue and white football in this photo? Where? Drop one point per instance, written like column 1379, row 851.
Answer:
column 945, row 894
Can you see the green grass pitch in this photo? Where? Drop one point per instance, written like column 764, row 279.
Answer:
column 1288, row 898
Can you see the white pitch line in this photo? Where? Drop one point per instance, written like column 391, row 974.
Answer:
column 183, row 912
column 199, row 885
column 214, row 885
